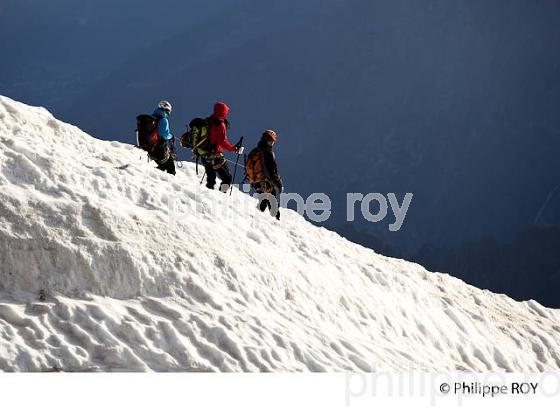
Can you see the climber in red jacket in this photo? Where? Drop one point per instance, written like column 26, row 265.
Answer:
column 215, row 163
column 218, row 124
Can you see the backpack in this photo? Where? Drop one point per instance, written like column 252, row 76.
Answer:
column 197, row 137
column 255, row 171
column 146, row 132
column 147, row 139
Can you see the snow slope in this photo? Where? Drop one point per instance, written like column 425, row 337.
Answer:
column 108, row 264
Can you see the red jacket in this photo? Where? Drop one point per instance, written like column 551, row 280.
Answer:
column 218, row 137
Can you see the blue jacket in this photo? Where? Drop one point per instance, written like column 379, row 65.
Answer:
column 163, row 124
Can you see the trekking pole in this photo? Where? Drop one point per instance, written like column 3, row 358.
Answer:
column 202, row 179
column 239, row 145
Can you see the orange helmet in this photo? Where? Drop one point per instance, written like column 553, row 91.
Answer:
column 271, row 135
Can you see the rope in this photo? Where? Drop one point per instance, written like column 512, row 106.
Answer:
column 233, row 162
column 192, row 162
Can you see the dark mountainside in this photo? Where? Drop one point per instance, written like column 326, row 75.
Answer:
column 454, row 101
column 53, row 51
column 525, row 268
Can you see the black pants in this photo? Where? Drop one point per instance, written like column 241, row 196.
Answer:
column 264, row 203
column 168, row 166
column 223, row 172
column 166, row 148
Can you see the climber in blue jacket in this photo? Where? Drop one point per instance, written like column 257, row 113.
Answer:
column 162, row 113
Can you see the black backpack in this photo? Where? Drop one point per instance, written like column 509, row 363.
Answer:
column 146, row 132
column 147, row 139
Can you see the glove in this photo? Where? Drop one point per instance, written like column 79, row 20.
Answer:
column 239, row 150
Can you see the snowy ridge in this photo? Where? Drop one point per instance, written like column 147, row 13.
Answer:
column 94, row 276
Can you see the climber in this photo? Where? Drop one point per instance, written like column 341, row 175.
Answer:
column 261, row 171
column 214, row 161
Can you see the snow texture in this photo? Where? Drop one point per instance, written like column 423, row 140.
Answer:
column 97, row 274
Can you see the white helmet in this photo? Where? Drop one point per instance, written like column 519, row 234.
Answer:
column 165, row 105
